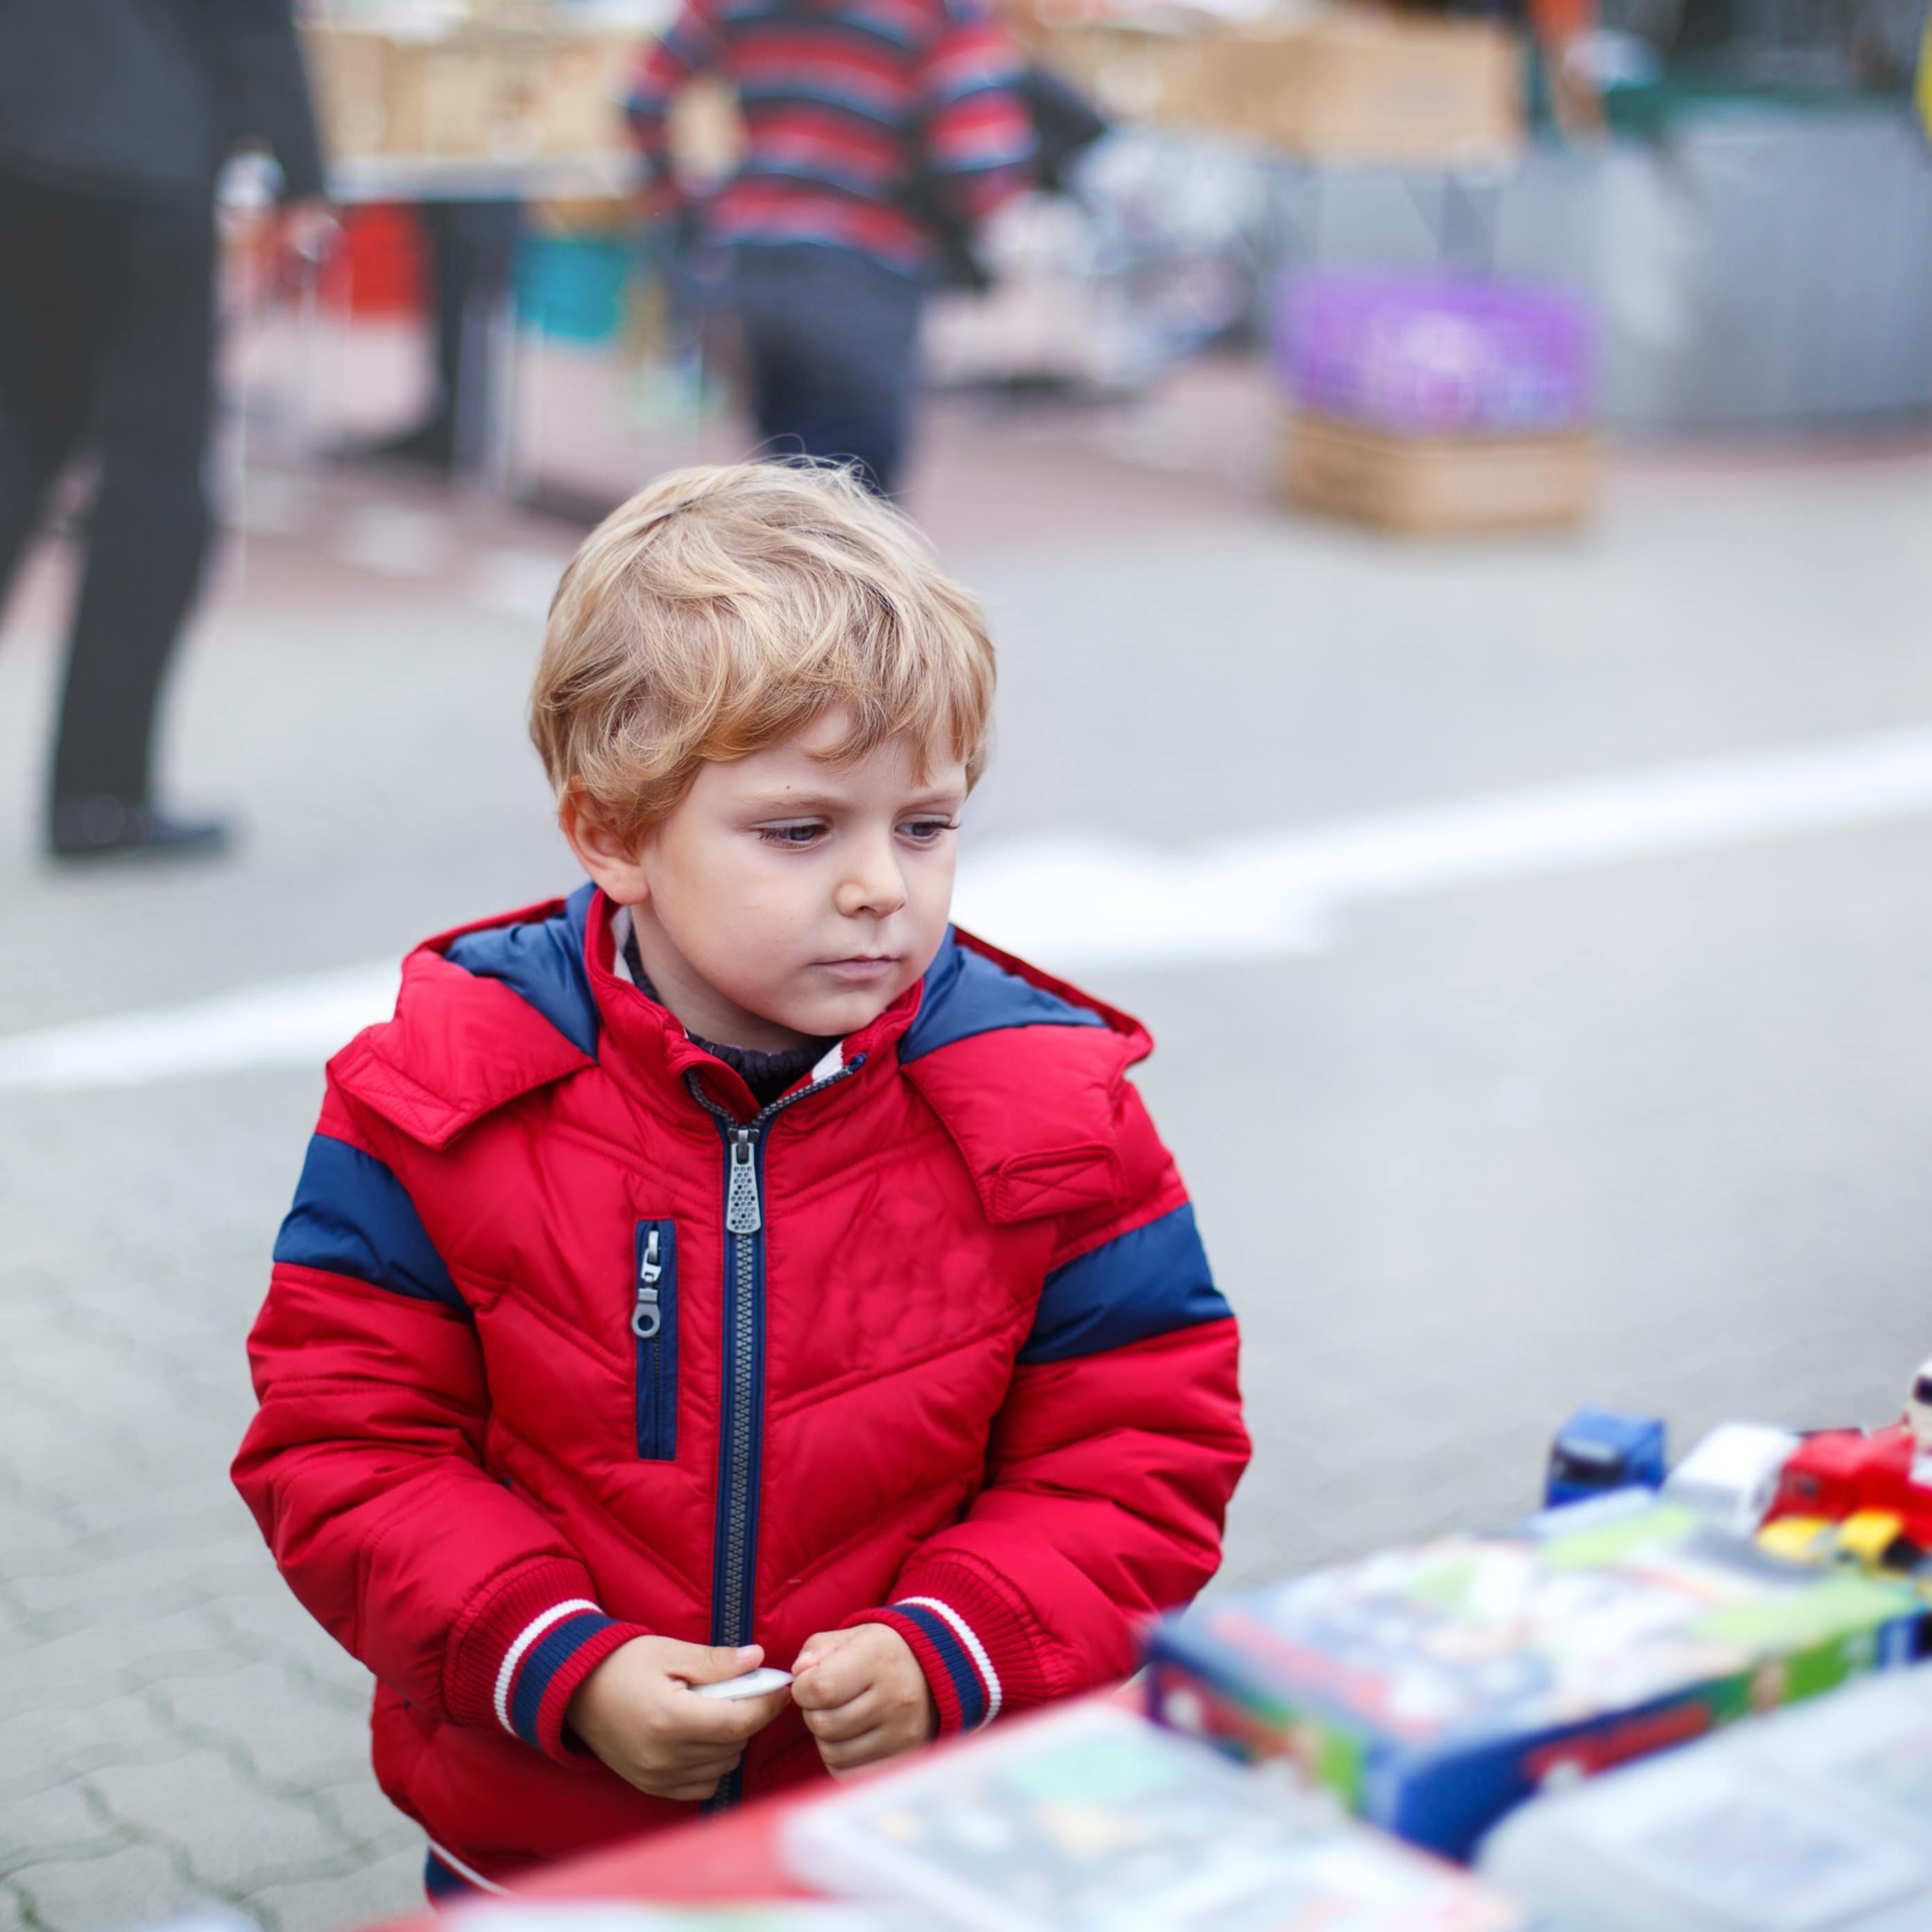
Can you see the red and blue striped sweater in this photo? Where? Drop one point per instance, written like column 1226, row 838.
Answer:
column 843, row 101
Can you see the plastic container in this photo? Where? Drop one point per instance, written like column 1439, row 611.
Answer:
column 1431, row 355
column 573, row 286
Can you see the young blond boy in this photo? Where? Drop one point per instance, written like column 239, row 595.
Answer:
column 731, row 1261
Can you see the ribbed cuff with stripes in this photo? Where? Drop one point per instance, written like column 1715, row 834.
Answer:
column 518, row 1656
column 978, row 1658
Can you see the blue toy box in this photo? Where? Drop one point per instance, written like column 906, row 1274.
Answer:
column 1435, row 1687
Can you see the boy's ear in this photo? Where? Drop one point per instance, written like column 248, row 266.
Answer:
column 606, row 853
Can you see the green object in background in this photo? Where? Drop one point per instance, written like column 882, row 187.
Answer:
column 1923, row 92
column 1686, row 90
column 573, row 286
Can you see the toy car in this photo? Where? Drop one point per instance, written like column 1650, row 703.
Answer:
column 1598, row 1449
column 1731, row 1478
column 1840, row 1471
column 1822, row 1475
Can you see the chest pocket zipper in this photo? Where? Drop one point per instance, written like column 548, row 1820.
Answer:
column 654, row 1327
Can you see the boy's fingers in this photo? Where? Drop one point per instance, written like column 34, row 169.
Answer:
column 849, row 1753
column 833, row 1680
column 818, row 1647
column 844, row 1722
column 721, row 1721
column 810, row 1691
column 698, row 1778
column 711, row 1662
column 690, row 1794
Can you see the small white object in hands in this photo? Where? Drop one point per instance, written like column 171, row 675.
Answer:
column 753, row 1683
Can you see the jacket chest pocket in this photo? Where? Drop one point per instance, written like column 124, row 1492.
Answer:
column 654, row 1327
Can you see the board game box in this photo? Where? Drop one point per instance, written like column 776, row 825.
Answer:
column 1435, row 1687
column 1817, row 1817
column 618, row 1914
column 1090, row 1819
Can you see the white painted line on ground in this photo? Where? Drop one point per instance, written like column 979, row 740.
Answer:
column 285, row 1023
column 1071, row 898
column 1075, row 900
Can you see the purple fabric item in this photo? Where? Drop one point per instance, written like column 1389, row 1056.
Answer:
column 1426, row 353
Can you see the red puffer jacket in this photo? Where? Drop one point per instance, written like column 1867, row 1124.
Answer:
column 567, row 1341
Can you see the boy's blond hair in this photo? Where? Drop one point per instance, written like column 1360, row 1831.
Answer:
column 725, row 609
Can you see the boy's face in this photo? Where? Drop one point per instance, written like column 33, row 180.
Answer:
column 786, row 898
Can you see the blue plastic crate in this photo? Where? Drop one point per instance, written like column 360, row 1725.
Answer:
column 573, row 286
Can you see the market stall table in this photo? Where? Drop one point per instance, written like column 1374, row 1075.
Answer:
column 730, row 1858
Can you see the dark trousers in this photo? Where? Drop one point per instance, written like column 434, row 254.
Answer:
column 832, row 340
column 473, row 248
column 106, row 335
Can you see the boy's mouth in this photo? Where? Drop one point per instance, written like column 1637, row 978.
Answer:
column 861, row 969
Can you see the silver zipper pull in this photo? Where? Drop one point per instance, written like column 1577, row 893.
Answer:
column 647, row 1318
column 741, row 1199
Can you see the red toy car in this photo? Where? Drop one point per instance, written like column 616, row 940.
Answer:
column 1838, row 1471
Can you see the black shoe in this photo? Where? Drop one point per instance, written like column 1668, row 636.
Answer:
column 104, row 827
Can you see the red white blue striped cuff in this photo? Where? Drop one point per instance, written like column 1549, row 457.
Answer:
column 518, row 1662
column 965, row 1685
column 528, row 1676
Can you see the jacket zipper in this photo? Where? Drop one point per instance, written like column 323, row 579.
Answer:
column 648, row 1318
column 654, row 1324
column 734, row 1567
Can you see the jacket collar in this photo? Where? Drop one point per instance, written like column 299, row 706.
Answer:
column 642, row 1043
column 495, row 1010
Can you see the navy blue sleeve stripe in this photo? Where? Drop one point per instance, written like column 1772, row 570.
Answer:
column 1148, row 1281
column 967, row 995
column 965, row 1679
column 352, row 1216
column 550, row 1654
column 542, row 963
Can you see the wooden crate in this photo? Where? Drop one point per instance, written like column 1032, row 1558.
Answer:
column 1347, row 85
column 1438, row 484
column 477, row 94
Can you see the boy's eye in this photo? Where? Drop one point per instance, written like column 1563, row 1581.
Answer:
column 790, row 834
column 925, row 830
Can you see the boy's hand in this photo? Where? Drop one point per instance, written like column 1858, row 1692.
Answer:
column 863, row 1695
column 637, row 1711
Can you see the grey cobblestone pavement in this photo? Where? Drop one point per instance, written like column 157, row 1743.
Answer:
column 172, row 1726
column 1652, row 1134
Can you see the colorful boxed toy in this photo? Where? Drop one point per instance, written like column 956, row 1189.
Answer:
column 1436, row 1687
column 1089, row 1820
column 624, row 1915
column 1816, row 1819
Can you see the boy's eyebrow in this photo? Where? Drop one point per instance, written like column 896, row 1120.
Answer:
column 779, row 803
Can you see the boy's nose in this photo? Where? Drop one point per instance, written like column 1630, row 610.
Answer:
column 875, row 885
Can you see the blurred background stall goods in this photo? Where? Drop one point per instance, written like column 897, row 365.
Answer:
column 1451, row 487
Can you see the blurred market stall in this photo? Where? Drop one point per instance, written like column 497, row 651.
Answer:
column 1735, row 196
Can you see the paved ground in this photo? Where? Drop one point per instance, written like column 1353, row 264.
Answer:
column 1650, row 1132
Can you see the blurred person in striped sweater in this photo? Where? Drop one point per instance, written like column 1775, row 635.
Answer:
column 859, row 115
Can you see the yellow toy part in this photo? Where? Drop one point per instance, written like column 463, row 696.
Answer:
column 1866, row 1534
column 1798, row 1539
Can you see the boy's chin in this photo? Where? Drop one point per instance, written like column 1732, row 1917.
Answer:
column 839, row 1018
